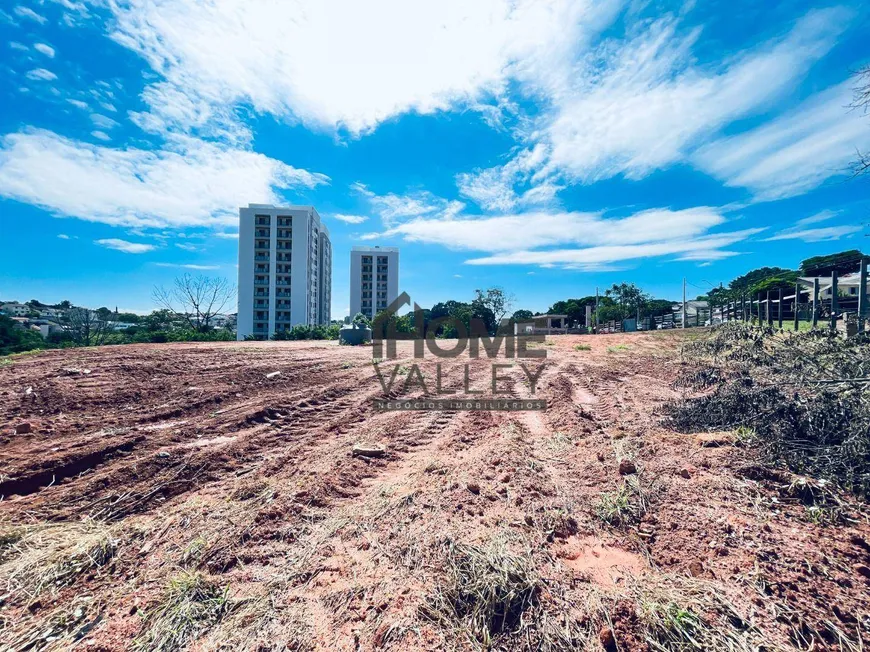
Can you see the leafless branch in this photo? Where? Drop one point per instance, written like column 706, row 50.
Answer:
column 196, row 300
column 85, row 327
column 861, row 101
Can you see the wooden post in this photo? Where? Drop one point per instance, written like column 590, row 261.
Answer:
column 779, row 313
column 743, row 300
column 834, row 302
column 768, row 311
column 797, row 300
column 862, row 295
column 760, row 306
column 815, row 302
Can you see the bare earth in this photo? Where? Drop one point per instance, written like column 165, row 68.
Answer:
column 192, row 460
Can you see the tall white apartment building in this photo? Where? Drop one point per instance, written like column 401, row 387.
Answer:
column 374, row 279
column 285, row 269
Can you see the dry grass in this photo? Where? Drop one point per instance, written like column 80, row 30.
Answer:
column 487, row 592
column 191, row 606
column 686, row 614
column 35, row 559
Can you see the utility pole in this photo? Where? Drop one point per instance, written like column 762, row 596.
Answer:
column 596, row 309
column 797, row 300
column 684, row 302
column 834, row 302
column 862, row 295
column 815, row 302
column 779, row 315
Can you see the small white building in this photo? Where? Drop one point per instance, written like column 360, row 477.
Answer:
column 15, row 309
column 374, row 279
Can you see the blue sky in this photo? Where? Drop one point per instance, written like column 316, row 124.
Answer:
column 546, row 147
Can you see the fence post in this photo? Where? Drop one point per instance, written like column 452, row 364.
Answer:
column 815, row 302
column 834, row 302
column 862, row 295
column 743, row 299
column 797, row 300
column 779, row 313
column 768, row 311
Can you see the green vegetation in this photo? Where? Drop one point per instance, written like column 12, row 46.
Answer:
column 191, row 606
column 309, row 333
column 582, row 347
column 625, row 506
column 15, row 340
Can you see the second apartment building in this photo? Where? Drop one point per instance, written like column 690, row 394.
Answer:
column 374, row 279
column 285, row 269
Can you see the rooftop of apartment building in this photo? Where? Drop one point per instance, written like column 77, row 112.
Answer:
column 376, row 249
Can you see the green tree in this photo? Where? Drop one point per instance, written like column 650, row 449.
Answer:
column 629, row 298
column 14, row 339
column 491, row 306
column 522, row 315
column 361, row 320
column 845, row 262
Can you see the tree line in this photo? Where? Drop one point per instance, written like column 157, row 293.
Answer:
column 770, row 279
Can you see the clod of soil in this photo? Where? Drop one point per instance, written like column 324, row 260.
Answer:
column 627, row 467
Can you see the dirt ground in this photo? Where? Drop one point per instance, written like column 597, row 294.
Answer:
column 127, row 471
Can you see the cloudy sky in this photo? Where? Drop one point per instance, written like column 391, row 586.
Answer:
column 547, row 147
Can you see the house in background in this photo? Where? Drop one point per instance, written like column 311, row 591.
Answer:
column 15, row 309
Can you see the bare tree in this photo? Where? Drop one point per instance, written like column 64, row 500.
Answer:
column 196, row 300
column 861, row 100
column 85, row 327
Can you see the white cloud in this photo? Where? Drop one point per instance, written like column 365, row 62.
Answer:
column 542, row 229
column 78, row 104
column 821, row 216
column 817, row 235
column 227, row 236
column 125, row 246
column 191, row 183
column 793, row 153
column 101, row 135
column 575, row 240
column 41, row 74
column 63, row 236
column 45, row 49
column 339, row 65
column 351, row 219
column 187, row 247
column 640, row 103
column 103, row 122
column 15, row 45
column 590, row 258
column 189, row 266
column 27, row 12
column 645, row 105
column 393, row 208
column 493, row 188
column 108, row 106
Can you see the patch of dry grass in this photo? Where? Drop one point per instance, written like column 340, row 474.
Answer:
column 47, row 557
column 192, row 604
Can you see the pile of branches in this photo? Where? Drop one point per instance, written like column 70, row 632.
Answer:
column 803, row 399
